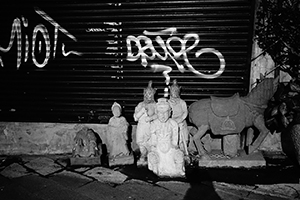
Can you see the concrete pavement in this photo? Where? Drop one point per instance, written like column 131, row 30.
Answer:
column 49, row 177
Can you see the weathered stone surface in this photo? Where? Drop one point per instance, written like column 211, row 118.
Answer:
column 58, row 138
column 217, row 159
column 285, row 190
column 14, row 171
column 124, row 160
column 143, row 190
column 274, row 191
column 175, row 186
column 82, row 169
column 101, row 191
column 43, row 165
column 42, row 138
column 70, row 179
column 91, row 161
column 106, row 175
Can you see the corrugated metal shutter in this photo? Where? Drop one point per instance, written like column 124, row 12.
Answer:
column 80, row 62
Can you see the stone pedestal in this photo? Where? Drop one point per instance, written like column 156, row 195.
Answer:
column 88, row 161
column 218, row 159
column 122, row 160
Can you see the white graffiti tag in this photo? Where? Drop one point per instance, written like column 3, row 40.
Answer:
column 169, row 52
column 16, row 31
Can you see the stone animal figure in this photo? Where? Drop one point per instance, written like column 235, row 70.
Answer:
column 228, row 116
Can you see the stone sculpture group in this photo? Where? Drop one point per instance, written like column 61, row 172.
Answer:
column 162, row 133
column 163, row 138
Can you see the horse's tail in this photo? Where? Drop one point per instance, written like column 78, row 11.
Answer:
column 198, row 112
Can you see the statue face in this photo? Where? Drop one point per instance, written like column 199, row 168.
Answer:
column 116, row 111
column 148, row 96
column 163, row 116
column 174, row 93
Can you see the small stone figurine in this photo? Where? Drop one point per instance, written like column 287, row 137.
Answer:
column 179, row 114
column 85, row 143
column 87, row 148
column 144, row 113
column 165, row 157
column 117, row 130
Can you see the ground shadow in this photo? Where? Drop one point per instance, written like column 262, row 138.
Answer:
column 201, row 185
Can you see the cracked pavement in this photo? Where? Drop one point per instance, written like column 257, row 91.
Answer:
column 48, row 177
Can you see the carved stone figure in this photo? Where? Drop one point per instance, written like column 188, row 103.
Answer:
column 117, row 133
column 85, row 143
column 229, row 116
column 179, row 114
column 144, row 113
column 165, row 157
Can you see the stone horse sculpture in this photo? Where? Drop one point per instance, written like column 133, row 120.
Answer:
column 228, row 116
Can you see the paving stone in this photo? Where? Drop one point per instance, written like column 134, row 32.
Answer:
column 63, row 161
column 203, row 190
column 15, row 192
column 106, row 175
column 175, row 186
column 291, row 191
column 82, row 169
column 140, row 190
column 251, row 192
column 28, row 158
column 70, row 179
column 34, row 182
column 47, row 189
column 43, row 166
column 14, row 170
column 101, row 191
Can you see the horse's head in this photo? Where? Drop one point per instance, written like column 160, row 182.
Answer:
column 263, row 91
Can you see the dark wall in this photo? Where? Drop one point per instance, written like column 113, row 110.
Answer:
column 68, row 61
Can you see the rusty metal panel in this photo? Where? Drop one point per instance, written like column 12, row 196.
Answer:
column 68, row 61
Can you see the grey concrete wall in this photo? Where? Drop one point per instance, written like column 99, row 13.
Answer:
column 58, row 138
column 42, row 138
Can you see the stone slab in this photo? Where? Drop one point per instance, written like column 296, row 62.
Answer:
column 43, row 166
column 106, row 175
column 87, row 161
column 124, row 160
column 14, row 171
column 217, row 159
column 70, row 179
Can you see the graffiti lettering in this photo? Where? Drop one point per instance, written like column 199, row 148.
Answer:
column 16, row 31
column 169, row 52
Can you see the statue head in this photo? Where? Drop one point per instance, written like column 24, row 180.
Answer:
column 175, row 90
column 149, row 93
column 116, row 109
column 163, row 109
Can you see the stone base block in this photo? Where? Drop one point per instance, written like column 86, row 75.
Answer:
column 85, row 161
column 217, row 159
column 122, row 160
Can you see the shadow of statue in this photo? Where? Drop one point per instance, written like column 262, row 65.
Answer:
column 201, row 186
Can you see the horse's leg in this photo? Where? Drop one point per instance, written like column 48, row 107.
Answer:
column 259, row 123
column 197, row 135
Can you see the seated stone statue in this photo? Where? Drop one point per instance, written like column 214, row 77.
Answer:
column 165, row 157
column 85, row 143
column 117, row 133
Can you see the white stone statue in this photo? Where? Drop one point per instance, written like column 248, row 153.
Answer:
column 179, row 114
column 144, row 113
column 117, row 133
column 165, row 157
